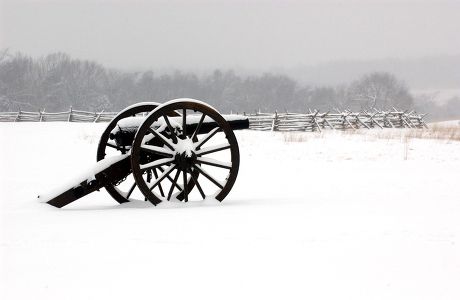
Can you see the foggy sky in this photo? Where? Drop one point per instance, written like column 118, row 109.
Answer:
column 230, row 34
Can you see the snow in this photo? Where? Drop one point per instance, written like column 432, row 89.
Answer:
column 185, row 146
column 139, row 104
column 178, row 100
column 311, row 216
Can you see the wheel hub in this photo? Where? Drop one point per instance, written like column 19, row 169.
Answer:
column 184, row 161
column 185, row 154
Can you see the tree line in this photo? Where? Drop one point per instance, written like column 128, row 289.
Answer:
column 57, row 81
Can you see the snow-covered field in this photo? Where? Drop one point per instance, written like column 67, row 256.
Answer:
column 311, row 216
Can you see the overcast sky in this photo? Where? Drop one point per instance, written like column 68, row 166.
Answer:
column 232, row 34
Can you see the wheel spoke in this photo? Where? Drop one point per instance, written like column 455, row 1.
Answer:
column 155, row 173
column 174, row 183
column 171, row 129
column 207, row 137
column 162, row 176
column 214, row 162
column 149, row 178
column 157, row 150
column 197, row 129
column 184, row 177
column 130, row 191
column 184, row 122
column 161, row 137
column 195, row 180
column 209, row 176
column 213, row 149
column 156, row 163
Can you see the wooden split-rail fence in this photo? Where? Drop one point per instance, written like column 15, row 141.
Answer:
column 317, row 121
column 71, row 115
column 311, row 121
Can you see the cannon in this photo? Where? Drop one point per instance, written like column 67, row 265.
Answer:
column 180, row 150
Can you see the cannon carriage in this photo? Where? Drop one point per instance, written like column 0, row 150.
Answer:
column 181, row 150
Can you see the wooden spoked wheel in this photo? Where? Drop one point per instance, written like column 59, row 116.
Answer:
column 127, row 190
column 198, row 142
column 121, row 191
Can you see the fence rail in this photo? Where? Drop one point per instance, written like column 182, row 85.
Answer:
column 312, row 121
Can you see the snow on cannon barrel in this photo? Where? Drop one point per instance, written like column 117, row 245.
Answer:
column 177, row 151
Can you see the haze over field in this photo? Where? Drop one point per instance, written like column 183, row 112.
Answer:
column 256, row 36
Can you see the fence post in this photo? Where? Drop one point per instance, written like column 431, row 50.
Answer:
column 316, row 121
column 17, row 117
column 98, row 116
column 325, row 116
column 41, row 115
column 275, row 122
column 307, row 121
column 70, row 115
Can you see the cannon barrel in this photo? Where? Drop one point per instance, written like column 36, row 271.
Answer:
column 126, row 130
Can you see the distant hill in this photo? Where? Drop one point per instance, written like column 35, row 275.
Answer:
column 438, row 95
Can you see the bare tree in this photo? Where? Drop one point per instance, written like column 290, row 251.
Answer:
column 379, row 90
column 57, row 81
